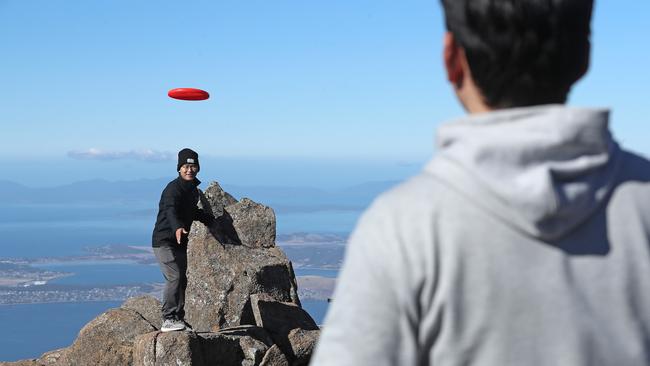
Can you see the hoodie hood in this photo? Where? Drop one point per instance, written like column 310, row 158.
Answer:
column 542, row 169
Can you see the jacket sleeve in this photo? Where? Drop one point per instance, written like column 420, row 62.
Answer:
column 171, row 203
column 366, row 323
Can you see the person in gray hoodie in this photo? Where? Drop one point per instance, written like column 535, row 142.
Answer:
column 526, row 239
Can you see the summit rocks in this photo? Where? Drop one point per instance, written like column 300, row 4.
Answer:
column 222, row 277
column 229, row 263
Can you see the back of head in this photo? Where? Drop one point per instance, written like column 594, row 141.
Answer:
column 522, row 52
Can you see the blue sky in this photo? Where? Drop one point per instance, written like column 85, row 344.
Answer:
column 344, row 83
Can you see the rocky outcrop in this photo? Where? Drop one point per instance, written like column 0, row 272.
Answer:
column 241, row 299
column 228, row 348
column 302, row 343
column 22, row 363
column 254, row 223
column 293, row 330
column 215, row 199
column 108, row 339
column 221, row 277
column 148, row 307
column 274, row 357
column 52, row 357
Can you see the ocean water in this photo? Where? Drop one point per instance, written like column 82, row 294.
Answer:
column 33, row 329
column 105, row 273
column 52, row 230
column 333, row 221
column 128, row 272
column 29, row 330
column 329, row 273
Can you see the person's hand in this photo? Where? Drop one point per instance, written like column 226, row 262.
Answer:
column 179, row 234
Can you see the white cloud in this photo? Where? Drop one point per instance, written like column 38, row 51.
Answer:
column 143, row 155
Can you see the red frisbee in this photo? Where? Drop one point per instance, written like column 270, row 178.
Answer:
column 188, row 94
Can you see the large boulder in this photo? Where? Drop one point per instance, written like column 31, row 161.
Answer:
column 302, row 343
column 222, row 276
column 53, row 357
column 274, row 357
column 279, row 317
column 49, row 358
column 148, row 307
column 21, row 363
column 228, row 348
column 293, row 330
column 254, row 223
column 215, row 199
column 173, row 348
column 107, row 339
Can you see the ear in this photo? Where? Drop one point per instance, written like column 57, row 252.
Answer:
column 452, row 55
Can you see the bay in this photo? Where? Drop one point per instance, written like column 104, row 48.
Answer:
column 102, row 273
column 30, row 330
column 329, row 273
column 50, row 230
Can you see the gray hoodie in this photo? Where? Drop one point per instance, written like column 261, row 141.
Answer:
column 525, row 241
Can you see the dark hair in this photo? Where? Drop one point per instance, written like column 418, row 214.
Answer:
column 522, row 52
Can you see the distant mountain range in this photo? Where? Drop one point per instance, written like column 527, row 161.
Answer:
column 297, row 198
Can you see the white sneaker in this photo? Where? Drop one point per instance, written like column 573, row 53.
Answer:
column 170, row 325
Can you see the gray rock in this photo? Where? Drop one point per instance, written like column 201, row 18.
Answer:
column 48, row 358
column 198, row 349
column 249, row 330
column 21, row 363
column 147, row 306
column 274, row 357
column 302, row 343
column 254, row 223
column 144, row 349
column 221, row 279
column 53, row 357
column 172, row 348
column 107, row 339
column 230, row 349
column 290, row 327
column 279, row 317
column 214, row 199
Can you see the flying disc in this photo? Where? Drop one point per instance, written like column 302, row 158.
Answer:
column 188, row 94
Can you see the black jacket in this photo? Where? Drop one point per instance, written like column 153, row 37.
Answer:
column 177, row 209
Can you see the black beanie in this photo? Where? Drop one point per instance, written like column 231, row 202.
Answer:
column 187, row 156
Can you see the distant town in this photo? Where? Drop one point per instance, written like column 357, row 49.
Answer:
column 47, row 293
